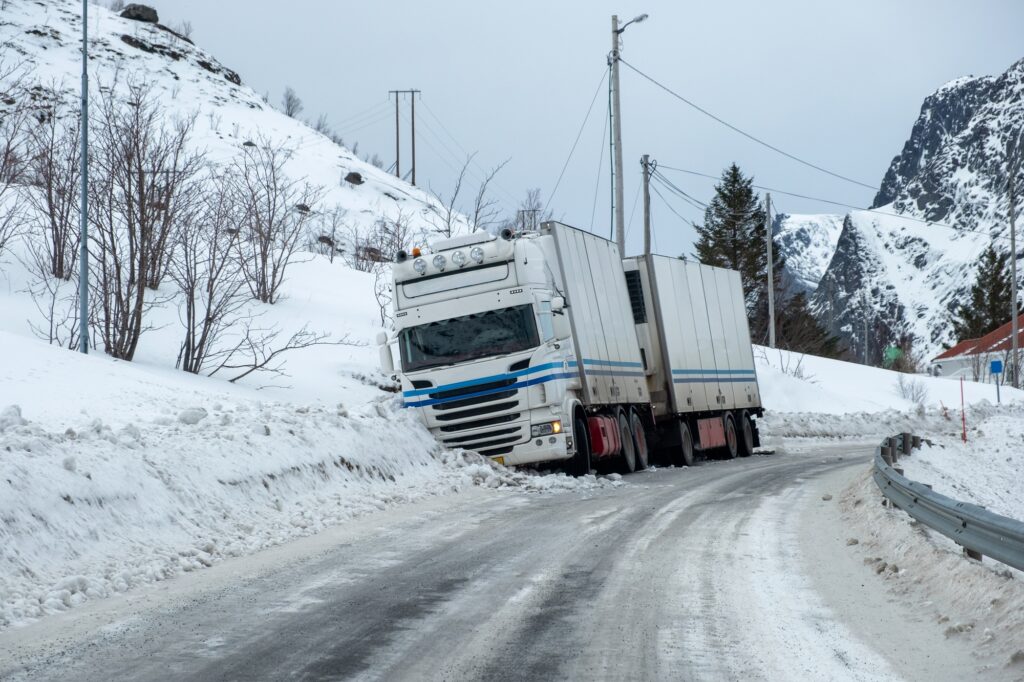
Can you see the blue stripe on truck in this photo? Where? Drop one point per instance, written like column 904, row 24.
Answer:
column 499, row 389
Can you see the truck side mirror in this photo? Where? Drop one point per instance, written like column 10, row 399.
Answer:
column 387, row 363
column 557, row 304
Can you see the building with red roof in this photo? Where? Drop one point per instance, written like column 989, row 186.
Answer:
column 972, row 358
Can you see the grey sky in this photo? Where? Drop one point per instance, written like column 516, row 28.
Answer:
column 838, row 84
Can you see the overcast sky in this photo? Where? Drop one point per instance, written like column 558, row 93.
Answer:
column 836, row 83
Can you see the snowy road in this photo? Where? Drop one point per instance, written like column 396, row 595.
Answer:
column 729, row 570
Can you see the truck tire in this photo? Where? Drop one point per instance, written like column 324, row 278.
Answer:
column 579, row 465
column 683, row 455
column 628, row 452
column 636, row 425
column 731, row 440
column 746, row 435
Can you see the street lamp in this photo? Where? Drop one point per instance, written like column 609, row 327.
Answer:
column 620, row 213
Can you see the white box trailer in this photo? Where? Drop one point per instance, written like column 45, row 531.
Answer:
column 547, row 346
column 693, row 331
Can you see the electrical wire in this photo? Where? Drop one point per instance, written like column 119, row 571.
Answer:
column 632, row 211
column 579, row 134
column 669, row 185
column 844, row 205
column 742, row 132
column 671, row 208
column 597, row 181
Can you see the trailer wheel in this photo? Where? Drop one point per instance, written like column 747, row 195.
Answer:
column 746, row 435
column 628, row 462
column 579, row 465
column 684, row 455
column 731, row 441
column 639, row 440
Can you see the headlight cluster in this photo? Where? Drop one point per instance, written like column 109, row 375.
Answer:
column 477, row 254
column 459, row 258
column 419, row 265
column 545, row 429
column 439, row 262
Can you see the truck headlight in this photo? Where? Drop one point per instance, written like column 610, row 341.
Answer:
column 545, row 429
column 419, row 265
column 439, row 261
column 477, row 254
column 459, row 258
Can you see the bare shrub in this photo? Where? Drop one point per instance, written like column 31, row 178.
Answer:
column 54, row 170
column 139, row 169
column 911, row 389
column 260, row 350
column 327, row 237
column 485, row 209
column 207, row 271
column 276, row 212
column 14, row 113
column 291, row 105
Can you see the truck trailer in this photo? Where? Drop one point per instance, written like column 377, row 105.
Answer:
column 546, row 346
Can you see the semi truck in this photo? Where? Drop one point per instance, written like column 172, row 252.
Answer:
column 546, row 346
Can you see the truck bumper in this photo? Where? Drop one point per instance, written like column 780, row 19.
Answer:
column 542, row 449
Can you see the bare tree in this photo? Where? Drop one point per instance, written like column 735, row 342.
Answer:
column 276, row 212
column 185, row 28
column 13, row 118
column 257, row 350
column 56, row 300
column 291, row 105
column 531, row 212
column 446, row 217
column 131, row 141
column 485, row 209
column 54, row 170
column 207, row 271
column 117, row 5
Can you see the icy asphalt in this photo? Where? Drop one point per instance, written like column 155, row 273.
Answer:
column 727, row 570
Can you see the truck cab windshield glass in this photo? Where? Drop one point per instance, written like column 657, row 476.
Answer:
column 460, row 339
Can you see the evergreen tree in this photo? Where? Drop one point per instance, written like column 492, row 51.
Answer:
column 988, row 307
column 734, row 236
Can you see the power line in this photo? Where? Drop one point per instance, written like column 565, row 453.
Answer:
column 600, row 162
column 577, row 140
column 672, row 208
column 901, row 216
column 744, row 133
column 668, row 184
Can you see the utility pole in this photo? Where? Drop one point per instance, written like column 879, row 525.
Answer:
column 83, row 265
column 398, row 93
column 866, row 314
column 620, row 213
column 1011, row 168
column 645, row 162
column 771, row 270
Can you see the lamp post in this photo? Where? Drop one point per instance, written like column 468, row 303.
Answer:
column 83, row 265
column 620, row 214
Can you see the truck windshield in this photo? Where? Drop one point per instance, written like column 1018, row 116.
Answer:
column 460, row 339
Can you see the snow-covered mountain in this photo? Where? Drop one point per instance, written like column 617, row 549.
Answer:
column 807, row 242
column 43, row 39
column 904, row 266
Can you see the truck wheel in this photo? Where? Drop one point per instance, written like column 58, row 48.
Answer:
column 731, row 441
column 628, row 462
column 746, row 435
column 579, row 465
column 639, row 440
column 683, row 456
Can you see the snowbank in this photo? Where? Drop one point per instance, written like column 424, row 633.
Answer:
column 987, row 470
column 114, row 474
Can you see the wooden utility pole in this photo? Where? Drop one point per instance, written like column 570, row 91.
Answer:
column 771, row 270
column 620, row 214
column 83, row 255
column 398, row 167
column 646, row 163
column 1011, row 170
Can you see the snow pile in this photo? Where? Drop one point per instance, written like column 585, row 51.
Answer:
column 114, row 474
column 988, row 470
column 982, row 603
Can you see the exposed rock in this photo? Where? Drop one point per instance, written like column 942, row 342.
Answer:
column 354, row 178
column 143, row 13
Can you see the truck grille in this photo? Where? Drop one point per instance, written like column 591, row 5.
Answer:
column 496, row 442
column 478, row 412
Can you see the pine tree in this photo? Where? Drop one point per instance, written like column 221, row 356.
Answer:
column 733, row 236
column 799, row 331
column 988, row 307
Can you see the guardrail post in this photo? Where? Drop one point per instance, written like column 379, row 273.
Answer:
column 916, row 444
column 893, row 450
column 971, row 554
column 906, row 443
column 886, row 454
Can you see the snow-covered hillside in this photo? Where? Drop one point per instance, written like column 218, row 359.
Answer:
column 895, row 276
column 807, row 242
column 44, row 40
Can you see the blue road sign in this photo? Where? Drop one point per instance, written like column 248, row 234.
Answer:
column 996, row 367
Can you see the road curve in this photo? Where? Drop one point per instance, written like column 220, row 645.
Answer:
column 695, row 574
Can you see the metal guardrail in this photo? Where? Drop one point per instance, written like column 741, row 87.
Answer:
column 977, row 530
